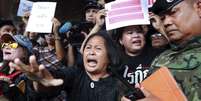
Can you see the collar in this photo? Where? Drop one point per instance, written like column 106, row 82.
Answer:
column 193, row 42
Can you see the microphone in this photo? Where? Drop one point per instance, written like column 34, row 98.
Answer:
column 65, row 27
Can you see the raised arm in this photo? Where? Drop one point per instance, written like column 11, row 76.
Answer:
column 37, row 73
column 58, row 46
column 100, row 20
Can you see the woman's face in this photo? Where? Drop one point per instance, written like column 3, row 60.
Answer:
column 90, row 15
column 95, row 56
column 132, row 39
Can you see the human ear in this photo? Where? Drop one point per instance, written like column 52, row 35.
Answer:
column 197, row 6
column 120, row 41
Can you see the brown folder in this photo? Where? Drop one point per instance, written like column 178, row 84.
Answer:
column 162, row 84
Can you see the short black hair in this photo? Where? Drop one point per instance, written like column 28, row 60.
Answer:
column 119, row 32
column 6, row 22
column 107, row 1
column 111, row 47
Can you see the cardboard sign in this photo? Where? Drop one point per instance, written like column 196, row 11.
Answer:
column 41, row 15
column 163, row 85
column 24, row 6
column 123, row 13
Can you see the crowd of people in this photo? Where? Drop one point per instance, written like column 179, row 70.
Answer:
column 85, row 62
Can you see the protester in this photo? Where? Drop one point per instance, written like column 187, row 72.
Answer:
column 91, row 9
column 159, row 41
column 93, row 82
column 81, row 30
column 182, row 21
column 100, row 21
column 156, row 34
column 13, row 83
column 52, row 54
column 88, row 76
column 7, row 26
column 136, row 54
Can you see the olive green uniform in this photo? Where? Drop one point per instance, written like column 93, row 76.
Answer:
column 184, row 61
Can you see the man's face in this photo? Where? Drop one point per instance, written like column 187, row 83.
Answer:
column 90, row 15
column 10, row 53
column 7, row 29
column 158, row 40
column 49, row 39
column 33, row 35
column 132, row 39
column 180, row 22
column 95, row 56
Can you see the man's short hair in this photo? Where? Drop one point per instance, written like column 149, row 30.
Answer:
column 6, row 22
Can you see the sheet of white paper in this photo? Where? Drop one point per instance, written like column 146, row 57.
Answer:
column 123, row 13
column 24, row 6
column 41, row 16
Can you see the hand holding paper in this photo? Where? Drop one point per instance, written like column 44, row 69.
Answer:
column 123, row 13
column 24, row 6
column 41, row 17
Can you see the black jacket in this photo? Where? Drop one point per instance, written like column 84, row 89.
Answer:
column 80, row 87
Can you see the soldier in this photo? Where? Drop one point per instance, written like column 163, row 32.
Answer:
column 182, row 21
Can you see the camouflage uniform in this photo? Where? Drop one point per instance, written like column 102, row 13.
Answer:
column 185, row 64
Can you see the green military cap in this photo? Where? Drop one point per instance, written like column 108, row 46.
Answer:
column 162, row 6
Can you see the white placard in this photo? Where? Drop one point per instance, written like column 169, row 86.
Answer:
column 24, row 6
column 41, row 17
column 123, row 13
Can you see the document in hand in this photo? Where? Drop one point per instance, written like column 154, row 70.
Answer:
column 121, row 13
column 24, row 6
column 162, row 84
column 41, row 17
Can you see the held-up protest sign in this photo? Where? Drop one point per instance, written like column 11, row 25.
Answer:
column 41, row 16
column 24, row 6
column 126, row 12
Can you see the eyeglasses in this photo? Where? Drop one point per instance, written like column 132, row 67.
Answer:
column 13, row 45
column 156, row 35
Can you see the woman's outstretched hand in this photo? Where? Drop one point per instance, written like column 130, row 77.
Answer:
column 36, row 72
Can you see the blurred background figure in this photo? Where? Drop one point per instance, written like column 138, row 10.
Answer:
column 159, row 42
column 91, row 8
column 7, row 26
